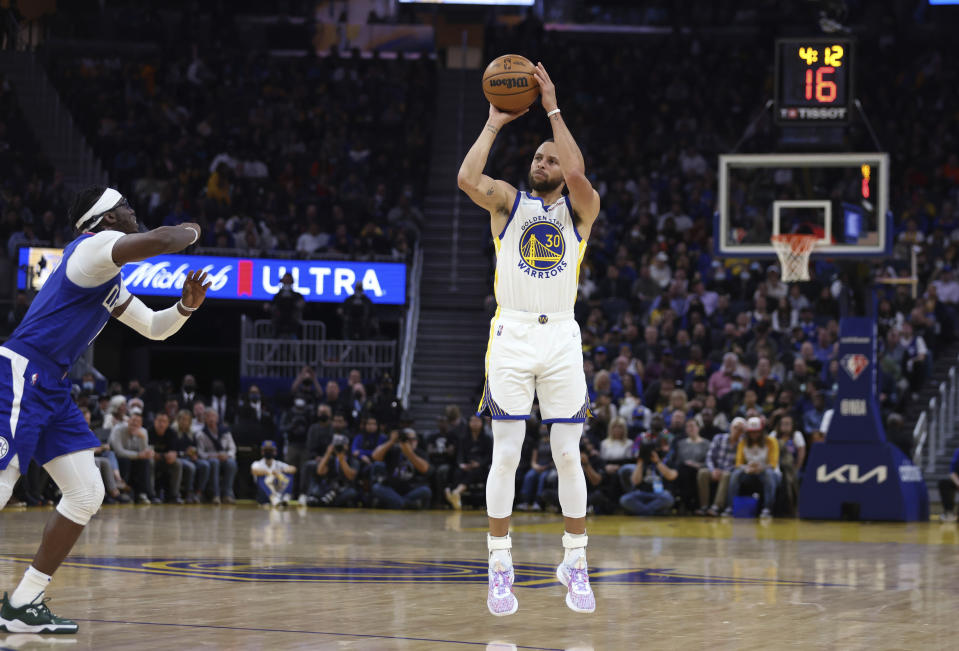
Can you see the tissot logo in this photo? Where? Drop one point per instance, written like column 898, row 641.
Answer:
column 849, row 474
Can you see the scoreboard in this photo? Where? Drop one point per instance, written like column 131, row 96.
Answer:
column 814, row 81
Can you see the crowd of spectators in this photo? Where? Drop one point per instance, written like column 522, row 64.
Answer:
column 316, row 156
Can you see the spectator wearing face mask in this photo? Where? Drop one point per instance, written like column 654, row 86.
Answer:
column 274, row 478
column 286, row 310
column 188, row 391
column 221, row 403
column 254, row 422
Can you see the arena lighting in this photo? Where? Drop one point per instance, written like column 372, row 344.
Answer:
column 257, row 279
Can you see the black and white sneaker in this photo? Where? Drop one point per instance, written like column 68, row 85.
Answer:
column 33, row 617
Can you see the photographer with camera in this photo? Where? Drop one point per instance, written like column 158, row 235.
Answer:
column 274, row 479
column 294, row 426
column 404, row 483
column 306, row 385
column 366, row 442
column 334, row 482
column 318, row 437
column 646, row 481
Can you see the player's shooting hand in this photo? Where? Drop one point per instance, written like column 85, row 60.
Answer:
column 499, row 118
column 546, row 88
column 194, row 288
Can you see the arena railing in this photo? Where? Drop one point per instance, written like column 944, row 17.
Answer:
column 410, row 325
column 283, row 358
column 937, row 422
column 263, row 329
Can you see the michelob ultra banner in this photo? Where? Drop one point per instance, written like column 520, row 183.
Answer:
column 325, row 281
column 856, row 472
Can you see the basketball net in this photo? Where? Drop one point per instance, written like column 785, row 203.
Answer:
column 794, row 250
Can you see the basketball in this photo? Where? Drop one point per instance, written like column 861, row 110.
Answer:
column 508, row 83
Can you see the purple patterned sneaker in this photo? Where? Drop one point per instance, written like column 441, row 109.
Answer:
column 501, row 600
column 580, row 596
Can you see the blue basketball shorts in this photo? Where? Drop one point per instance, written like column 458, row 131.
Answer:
column 38, row 418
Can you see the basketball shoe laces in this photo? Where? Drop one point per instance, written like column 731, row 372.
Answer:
column 579, row 580
column 501, row 583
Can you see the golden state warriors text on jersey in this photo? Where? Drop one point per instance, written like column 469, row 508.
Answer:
column 542, row 247
column 538, row 256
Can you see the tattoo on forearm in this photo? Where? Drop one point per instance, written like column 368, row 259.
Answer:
column 492, row 129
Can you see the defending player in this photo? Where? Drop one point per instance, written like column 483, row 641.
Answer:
column 38, row 418
column 534, row 341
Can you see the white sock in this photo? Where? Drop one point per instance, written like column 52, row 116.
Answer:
column 502, row 556
column 32, row 585
column 573, row 554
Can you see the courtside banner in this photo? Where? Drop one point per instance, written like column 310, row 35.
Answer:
column 257, row 279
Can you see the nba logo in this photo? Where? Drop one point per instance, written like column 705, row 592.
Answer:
column 33, row 379
column 855, row 365
column 499, row 330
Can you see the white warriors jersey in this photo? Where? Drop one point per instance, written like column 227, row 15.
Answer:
column 538, row 256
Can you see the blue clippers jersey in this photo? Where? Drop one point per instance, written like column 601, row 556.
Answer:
column 64, row 318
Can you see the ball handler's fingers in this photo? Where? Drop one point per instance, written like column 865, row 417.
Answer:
column 540, row 68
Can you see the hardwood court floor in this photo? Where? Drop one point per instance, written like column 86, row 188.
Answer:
column 168, row 577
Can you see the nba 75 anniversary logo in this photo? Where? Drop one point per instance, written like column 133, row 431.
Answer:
column 542, row 248
column 854, row 365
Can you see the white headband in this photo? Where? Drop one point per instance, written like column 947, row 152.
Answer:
column 108, row 200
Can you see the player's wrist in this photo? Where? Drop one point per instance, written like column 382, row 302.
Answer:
column 551, row 112
column 184, row 309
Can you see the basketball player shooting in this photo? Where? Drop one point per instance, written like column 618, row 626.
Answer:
column 534, row 342
column 38, row 418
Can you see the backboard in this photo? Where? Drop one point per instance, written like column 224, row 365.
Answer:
column 842, row 198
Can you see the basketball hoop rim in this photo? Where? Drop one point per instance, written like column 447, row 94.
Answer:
column 798, row 243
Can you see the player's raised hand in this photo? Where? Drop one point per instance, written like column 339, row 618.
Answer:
column 498, row 118
column 194, row 289
column 546, row 88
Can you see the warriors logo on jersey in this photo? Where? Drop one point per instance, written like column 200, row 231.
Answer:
column 537, row 257
column 542, row 246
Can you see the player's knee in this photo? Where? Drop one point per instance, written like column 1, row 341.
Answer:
column 81, row 502
column 566, row 458
column 505, row 464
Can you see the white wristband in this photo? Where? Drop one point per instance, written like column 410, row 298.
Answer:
column 196, row 234
column 552, row 113
column 188, row 309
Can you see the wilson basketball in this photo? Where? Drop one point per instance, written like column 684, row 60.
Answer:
column 508, row 83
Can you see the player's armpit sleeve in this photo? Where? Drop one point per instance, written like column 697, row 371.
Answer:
column 150, row 324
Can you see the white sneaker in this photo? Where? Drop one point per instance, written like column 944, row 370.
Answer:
column 274, row 500
column 947, row 517
column 302, row 499
column 579, row 594
column 766, row 513
column 501, row 601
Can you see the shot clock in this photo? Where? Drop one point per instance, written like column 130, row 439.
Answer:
column 813, row 81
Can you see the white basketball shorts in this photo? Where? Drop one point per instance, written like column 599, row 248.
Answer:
column 541, row 353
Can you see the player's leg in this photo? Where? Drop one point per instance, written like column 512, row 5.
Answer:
column 77, row 476
column 508, row 396
column 508, row 438
column 561, row 387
